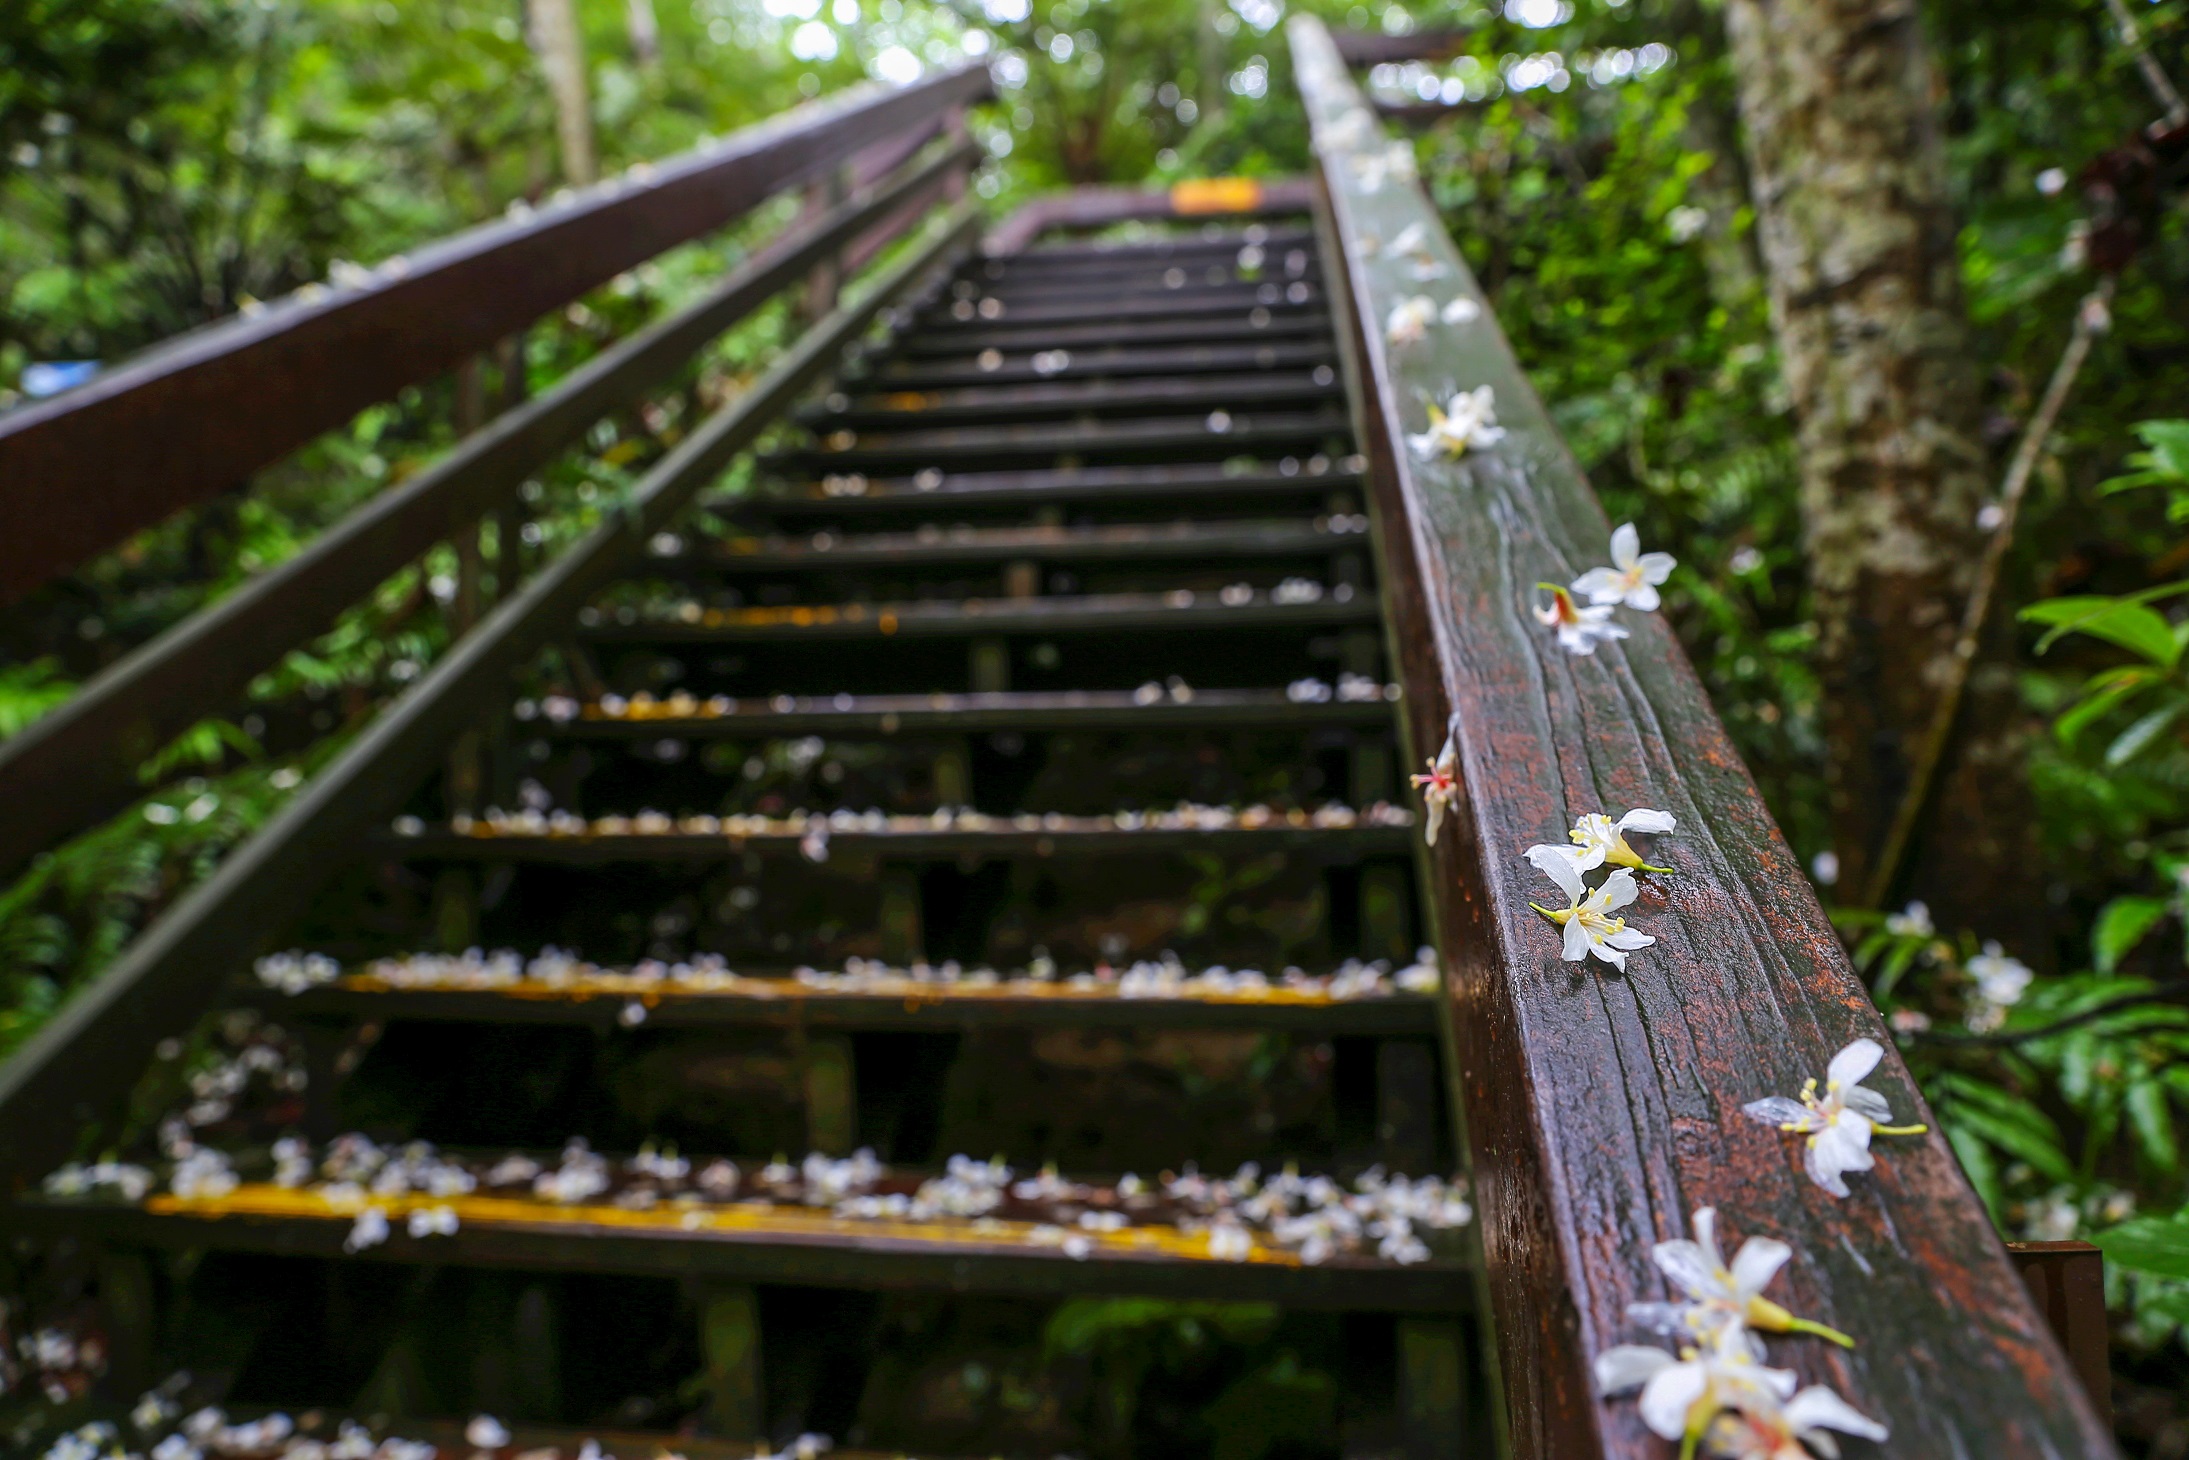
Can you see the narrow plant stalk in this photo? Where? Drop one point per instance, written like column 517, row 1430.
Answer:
column 2154, row 75
column 2090, row 322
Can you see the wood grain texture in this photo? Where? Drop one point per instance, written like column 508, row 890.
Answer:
column 200, row 413
column 1604, row 1108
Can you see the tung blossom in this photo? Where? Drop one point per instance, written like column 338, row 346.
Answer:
column 1467, row 420
column 1439, row 788
column 1914, row 921
column 1597, row 839
column 1839, row 1122
column 1999, row 979
column 1580, row 629
column 1409, row 321
column 1683, row 1396
column 1461, row 310
column 1632, row 578
column 1723, row 1300
column 1792, row 1431
column 1587, row 916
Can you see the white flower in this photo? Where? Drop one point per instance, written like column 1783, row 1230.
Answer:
column 1598, row 839
column 1722, row 1297
column 1914, row 921
column 1439, row 788
column 1999, row 979
column 1633, row 576
column 433, row 1222
column 369, row 1230
column 1587, row 919
column 1684, row 222
column 1461, row 311
column 1681, row 1396
column 486, row 1432
column 1467, row 420
column 1580, row 629
column 1410, row 320
column 1228, row 1243
column 1772, row 1432
column 1840, row 1121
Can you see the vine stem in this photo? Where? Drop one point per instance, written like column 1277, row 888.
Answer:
column 2090, row 321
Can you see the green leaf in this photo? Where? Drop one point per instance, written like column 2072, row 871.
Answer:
column 2122, row 924
column 2149, row 1244
column 1982, row 1169
column 2153, row 1120
column 2147, row 728
column 2102, row 693
column 2008, row 1121
column 2121, row 621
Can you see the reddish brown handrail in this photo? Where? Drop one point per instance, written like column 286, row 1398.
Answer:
column 1605, row 1107
column 199, row 414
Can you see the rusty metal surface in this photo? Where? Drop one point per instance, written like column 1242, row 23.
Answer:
column 201, row 413
column 79, row 763
column 1604, row 1108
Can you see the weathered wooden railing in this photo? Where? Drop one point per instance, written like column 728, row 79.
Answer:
column 1605, row 1107
column 202, row 413
column 66, row 1085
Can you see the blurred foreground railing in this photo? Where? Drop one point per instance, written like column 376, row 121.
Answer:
column 64, row 1090
column 204, row 411
column 1605, row 1107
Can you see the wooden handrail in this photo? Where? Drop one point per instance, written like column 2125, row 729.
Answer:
column 199, row 414
column 63, row 1087
column 78, row 764
column 1372, row 48
column 1603, row 1108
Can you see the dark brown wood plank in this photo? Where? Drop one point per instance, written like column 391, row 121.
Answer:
column 79, row 763
column 1249, row 326
column 1083, row 614
column 1087, row 208
column 63, row 1085
column 900, row 410
column 950, row 491
column 1321, row 843
column 201, row 413
column 1604, row 1108
column 945, row 318
column 1021, row 710
column 1178, row 360
column 1222, row 433
column 818, row 1252
column 1111, row 543
column 1372, row 48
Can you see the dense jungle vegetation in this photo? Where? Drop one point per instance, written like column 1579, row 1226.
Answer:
column 168, row 162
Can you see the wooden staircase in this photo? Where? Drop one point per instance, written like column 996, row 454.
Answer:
column 1027, row 729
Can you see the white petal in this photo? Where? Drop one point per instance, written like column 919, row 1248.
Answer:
column 1577, row 945
column 1829, row 1156
column 1618, row 890
column 1668, row 1396
column 1660, row 1317
column 1630, row 939
column 1629, row 1366
column 1818, row 1408
column 1656, row 567
column 1626, row 545
column 1610, row 953
column 1852, row 1064
column 1865, row 1102
column 1600, row 585
column 1641, row 818
column 1759, row 1261
column 1643, row 599
column 1690, row 1266
column 1782, row 1112
column 1706, row 1235
column 1557, row 863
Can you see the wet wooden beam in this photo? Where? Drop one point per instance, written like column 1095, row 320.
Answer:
column 1083, row 614
column 1604, row 1108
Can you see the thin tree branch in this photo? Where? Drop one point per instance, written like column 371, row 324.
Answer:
column 2154, row 75
column 2090, row 322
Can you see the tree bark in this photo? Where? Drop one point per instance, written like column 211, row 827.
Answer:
column 560, row 46
column 1858, row 243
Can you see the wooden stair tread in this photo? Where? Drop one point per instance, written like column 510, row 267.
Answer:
column 1184, row 361
column 900, row 409
column 777, row 551
column 947, row 490
column 690, row 622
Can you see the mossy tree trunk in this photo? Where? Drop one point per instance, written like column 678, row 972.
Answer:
column 1858, row 242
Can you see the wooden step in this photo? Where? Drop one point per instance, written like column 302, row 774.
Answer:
column 899, row 410
column 953, row 491
column 1034, row 1247
column 690, row 622
column 934, row 547
column 1243, row 327
column 1107, row 362
column 1219, row 433
column 507, row 989
column 1215, row 281
column 995, row 311
column 839, row 716
column 1338, row 834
